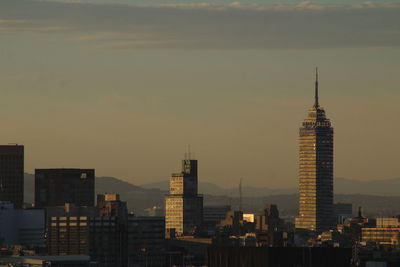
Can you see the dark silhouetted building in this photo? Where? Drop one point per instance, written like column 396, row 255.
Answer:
column 183, row 205
column 111, row 205
column 12, row 174
column 316, row 170
column 47, row 261
column 278, row 256
column 146, row 241
column 113, row 239
column 103, row 238
column 55, row 187
column 212, row 216
column 68, row 235
column 342, row 211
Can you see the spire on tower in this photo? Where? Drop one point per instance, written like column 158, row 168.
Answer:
column 316, row 104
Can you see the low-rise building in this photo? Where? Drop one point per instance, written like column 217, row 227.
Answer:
column 47, row 261
column 21, row 227
column 213, row 215
column 387, row 222
column 381, row 235
column 103, row 238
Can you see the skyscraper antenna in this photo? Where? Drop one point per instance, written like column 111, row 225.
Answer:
column 189, row 153
column 316, row 104
column 240, row 194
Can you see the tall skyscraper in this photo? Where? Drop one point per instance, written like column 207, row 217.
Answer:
column 183, row 205
column 55, row 187
column 316, row 170
column 12, row 174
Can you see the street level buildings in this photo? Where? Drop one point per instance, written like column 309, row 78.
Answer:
column 12, row 174
column 316, row 170
column 183, row 204
column 55, row 187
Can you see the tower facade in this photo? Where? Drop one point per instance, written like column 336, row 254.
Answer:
column 12, row 174
column 183, row 205
column 316, row 170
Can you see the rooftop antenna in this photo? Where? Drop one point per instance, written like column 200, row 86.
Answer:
column 360, row 212
column 189, row 153
column 240, row 194
column 316, row 104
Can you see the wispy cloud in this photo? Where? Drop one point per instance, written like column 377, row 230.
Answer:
column 208, row 26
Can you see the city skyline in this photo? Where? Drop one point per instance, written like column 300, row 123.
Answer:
column 100, row 100
column 238, row 107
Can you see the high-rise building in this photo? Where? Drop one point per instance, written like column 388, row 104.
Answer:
column 12, row 174
column 55, row 187
column 183, row 205
column 316, row 170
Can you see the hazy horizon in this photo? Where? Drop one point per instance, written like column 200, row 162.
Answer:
column 125, row 88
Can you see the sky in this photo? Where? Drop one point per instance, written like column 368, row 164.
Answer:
column 124, row 86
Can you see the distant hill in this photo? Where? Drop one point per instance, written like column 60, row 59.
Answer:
column 389, row 187
column 215, row 190
column 142, row 197
column 138, row 198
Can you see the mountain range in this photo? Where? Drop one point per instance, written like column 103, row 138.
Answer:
column 388, row 187
column 379, row 198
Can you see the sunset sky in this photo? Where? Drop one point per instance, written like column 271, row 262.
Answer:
column 124, row 86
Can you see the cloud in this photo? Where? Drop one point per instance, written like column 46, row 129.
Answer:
column 208, row 26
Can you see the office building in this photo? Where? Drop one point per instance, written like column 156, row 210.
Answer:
column 146, row 240
column 111, row 205
column 108, row 241
column 342, row 211
column 388, row 222
column 55, row 187
column 12, row 174
column 103, row 238
column 381, row 236
column 316, row 170
column 183, row 205
column 212, row 216
column 68, row 235
column 24, row 227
